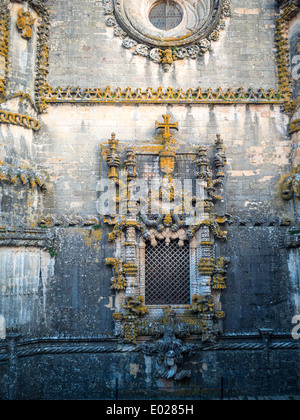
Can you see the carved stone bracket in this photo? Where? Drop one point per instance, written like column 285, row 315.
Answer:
column 170, row 353
column 291, row 191
column 291, row 239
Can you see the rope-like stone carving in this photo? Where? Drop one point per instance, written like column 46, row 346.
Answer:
column 149, row 350
column 288, row 10
column 20, row 120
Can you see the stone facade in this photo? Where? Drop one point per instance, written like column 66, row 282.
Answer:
column 72, row 278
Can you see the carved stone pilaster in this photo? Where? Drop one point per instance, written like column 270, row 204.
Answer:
column 131, row 262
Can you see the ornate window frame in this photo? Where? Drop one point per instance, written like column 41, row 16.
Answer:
column 130, row 233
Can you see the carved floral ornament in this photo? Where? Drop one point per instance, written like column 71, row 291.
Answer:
column 201, row 23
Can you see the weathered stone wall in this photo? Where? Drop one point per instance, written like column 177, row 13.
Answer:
column 80, row 39
column 256, row 145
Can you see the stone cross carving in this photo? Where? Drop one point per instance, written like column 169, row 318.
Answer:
column 167, row 126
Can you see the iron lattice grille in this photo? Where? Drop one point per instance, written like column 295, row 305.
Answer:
column 166, row 15
column 167, row 274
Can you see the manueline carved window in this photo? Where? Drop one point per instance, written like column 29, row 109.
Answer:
column 166, row 263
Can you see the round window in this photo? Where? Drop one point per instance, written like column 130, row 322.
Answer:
column 166, row 15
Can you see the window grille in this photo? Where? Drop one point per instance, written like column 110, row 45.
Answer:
column 167, row 274
column 166, row 15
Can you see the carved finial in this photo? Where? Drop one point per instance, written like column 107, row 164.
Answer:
column 220, row 158
column 130, row 164
column 203, row 163
column 113, row 159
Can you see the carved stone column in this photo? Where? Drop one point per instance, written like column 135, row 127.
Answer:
column 206, row 262
column 204, row 249
column 130, row 266
column 195, row 289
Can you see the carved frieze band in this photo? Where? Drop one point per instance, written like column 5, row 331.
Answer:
column 83, row 346
column 170, row 95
